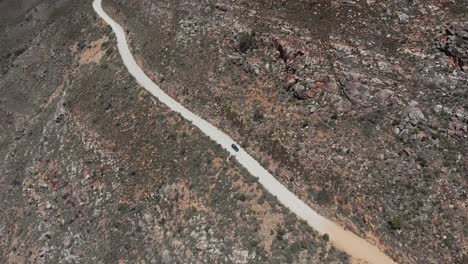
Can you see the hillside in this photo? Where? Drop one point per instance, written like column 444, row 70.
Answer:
column 360, row 108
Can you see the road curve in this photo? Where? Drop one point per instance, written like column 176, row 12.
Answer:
column 342, row 239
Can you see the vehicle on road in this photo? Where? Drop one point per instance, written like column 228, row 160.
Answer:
column 235, row 147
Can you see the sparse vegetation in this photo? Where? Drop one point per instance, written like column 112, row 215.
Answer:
column 351, row 105
column 396, row 223
column 246, row 41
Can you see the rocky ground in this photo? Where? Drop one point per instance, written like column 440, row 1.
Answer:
column 94, row 170
column 359, row 107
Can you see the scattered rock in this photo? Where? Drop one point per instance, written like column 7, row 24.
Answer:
column 384, row 96
column 300, row 91
column 414, row 114
column 453, row 41
column 404, row 18
column 312, row 109
column 240, row 256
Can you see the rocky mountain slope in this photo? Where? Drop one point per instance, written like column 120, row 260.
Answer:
column 94, row 170
column 360, row 107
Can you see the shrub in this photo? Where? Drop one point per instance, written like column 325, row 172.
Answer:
column 246, row 42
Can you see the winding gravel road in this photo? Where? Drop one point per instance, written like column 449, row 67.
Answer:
column 342, row 239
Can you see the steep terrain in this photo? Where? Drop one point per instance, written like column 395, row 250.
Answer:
column 94, row 170
column 360, row 107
